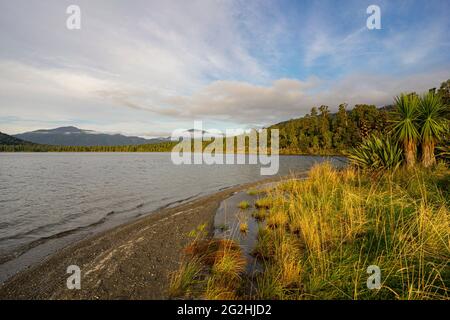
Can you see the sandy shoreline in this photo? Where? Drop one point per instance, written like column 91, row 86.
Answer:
column 131, row 261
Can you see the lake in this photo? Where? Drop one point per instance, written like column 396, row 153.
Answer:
column 48, row 200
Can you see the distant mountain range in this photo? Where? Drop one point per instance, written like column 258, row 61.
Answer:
column 72, row 136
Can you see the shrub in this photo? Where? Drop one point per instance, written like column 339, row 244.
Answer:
column 377, row 153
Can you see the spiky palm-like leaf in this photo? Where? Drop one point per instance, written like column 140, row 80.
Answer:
column 405, row 125
column 443, row 152
column 432, row 124
column 406, row 112
column 431, row 118
column 377, row 153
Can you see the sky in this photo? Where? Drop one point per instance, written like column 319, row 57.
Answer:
column 149, row 67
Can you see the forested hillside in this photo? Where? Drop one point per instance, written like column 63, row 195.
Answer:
column 319, row 132
column 72, row 136
column 8, row 140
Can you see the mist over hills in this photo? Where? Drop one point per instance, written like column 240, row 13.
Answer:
column 73, row 136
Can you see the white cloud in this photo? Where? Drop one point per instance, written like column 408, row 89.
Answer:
column 246, row 103
column 157, row 65
column 67, row 95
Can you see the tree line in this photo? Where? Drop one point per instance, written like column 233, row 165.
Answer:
column 418, row 126
column 319, row 132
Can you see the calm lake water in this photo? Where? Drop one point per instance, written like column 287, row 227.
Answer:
column 50, row 199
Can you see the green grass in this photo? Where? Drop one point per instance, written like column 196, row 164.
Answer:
column 319, row 235
column 212, row 269
column 319, row 240
column 244, row 205
column 264, row 203
column 259, row 214
column 243, row 227
column 253, row 192
column 185, row 279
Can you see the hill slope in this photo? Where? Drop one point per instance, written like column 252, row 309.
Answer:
column 322, row 132
column 72, row 136
column 10, row 140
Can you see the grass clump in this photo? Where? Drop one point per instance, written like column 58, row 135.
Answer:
column 184, row 281
column 243, row 227
column 265, row 247
column 264, row 203
column 253, row 192
column 322, row 233
column 244, row 205
column 281, row 257
column 277, row 219
column 211, row 269
column 259, row 214
column 199, row 232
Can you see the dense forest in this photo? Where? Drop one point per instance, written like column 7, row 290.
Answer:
column 155, row 147
column 319, row 132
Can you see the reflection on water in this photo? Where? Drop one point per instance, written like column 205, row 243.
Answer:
column 227, row 226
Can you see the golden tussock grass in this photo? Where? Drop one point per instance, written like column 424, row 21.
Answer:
column 342, row 222
column 243, row 227
column 243, row 205
column 318, row 236
column 212, row 269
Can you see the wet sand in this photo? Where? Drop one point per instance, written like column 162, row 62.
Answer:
column 132, row 261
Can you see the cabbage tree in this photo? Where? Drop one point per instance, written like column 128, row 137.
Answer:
column 405, row 125
column 432, row 125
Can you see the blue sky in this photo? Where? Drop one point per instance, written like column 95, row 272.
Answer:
column 155, row 66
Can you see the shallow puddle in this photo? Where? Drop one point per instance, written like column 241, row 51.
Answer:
column 227, row 224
